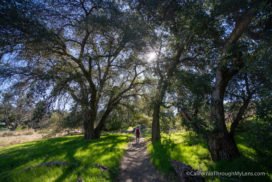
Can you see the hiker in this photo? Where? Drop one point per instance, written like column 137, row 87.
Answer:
column 137, row 133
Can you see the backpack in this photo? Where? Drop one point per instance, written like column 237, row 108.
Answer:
column 137, row 131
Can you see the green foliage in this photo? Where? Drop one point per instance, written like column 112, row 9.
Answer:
column 186, row 147
column 264, row 109
column 198, row 84
column 84, row 53
column 120, row 118
column 114, row 123
column 168, row 121
column 260, row 135
column 66, row 119
column 39, row 111
column 192, row 90
column 72, row 120
column 142, row 118
column 56, row 117
column 253, row 139
column 21, row 162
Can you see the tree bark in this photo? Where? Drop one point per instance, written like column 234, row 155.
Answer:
column 100, row 126
column 161, row 90
column 239, row 115
column 156, row 136
column 217, row 102
column 88, row 124
column 221, row 143
column 98, row 129
column 88, row 132
column 222, row 146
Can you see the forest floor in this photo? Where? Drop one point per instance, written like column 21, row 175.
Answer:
column 136, row 165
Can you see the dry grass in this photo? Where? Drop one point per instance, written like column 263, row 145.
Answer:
column 15, row 137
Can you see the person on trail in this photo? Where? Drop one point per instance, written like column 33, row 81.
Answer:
column 137, row 133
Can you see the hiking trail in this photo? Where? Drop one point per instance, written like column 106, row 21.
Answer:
column 136, row 165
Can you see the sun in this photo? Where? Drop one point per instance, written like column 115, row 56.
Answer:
column 151, row 56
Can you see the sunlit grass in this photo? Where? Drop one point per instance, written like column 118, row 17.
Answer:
column 191, row 149
column 182, row 147
column 21, row 162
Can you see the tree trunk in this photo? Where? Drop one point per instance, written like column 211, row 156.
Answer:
column 221, row 143
column 97, row 133
column 156, row 136
column 88, row 124
column 98, row 129
column 240, row 114
column 156, row 133
column 222, row 146
column 161, row 89
column 217, row 101
column 88, row 130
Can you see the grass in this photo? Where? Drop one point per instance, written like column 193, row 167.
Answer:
column 22, row 162
column 254, row 142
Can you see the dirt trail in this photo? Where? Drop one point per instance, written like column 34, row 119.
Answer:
column 136, row 165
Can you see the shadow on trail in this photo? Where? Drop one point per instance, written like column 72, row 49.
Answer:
column 138, row 145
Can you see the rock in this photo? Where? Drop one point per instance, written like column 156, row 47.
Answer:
column 186, row 173
column 102, row 168
column 79, row 179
